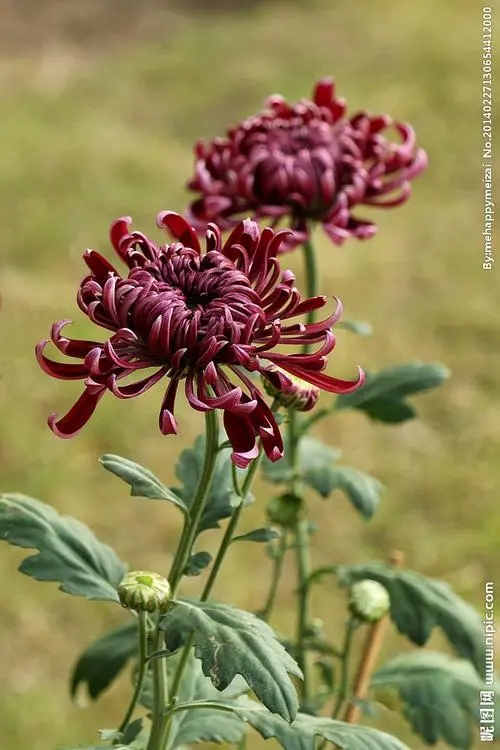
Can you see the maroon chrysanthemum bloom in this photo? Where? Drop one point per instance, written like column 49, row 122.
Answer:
column 205, row 318
column 307, row 163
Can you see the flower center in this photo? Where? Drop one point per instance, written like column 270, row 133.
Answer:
column 191, row 304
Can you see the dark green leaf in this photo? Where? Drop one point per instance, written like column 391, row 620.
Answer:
column 440, row 695
column 361, row 327
column 301, row 734
column 230, row 641
column 188, row 471
column 383, row 395
column 419, row 604
column 104, row 659
column 143, row 483
column 361, row 489
column 197, row 563
column 68, row 552
column 258, row 535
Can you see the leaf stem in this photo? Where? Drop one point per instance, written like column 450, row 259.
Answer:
column 344, row 667
column 143, row 655
column 276, row 575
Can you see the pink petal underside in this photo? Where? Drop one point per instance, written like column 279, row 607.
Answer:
column 179, row 229
column 134, row 389
column 118, row 230
column 100, row 267
column 168, row 423
column 325, row 382
column 241, row 435
column 60, row 370
column 79, row 414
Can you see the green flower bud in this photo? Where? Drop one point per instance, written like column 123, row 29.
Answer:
column 290, row 392
column 144, row 591
column 369, row 600
column 284, row 510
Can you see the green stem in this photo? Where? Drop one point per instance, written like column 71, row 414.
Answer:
column 233, row 523
column 226, row 541
column 344, row 667
column 344, row 673
column 276, row 575
column 300, row 529
column 303, row 567
column 161, row 723
column 311, row 274
column 160, row 697
column 189, row 533
column 301, row 534
column 143, row 655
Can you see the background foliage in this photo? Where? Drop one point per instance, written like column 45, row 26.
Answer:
column 101, row 102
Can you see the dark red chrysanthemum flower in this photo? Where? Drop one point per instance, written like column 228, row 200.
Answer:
column 204, row 318
column 306, row 163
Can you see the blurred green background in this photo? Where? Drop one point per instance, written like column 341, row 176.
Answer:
column 101, row 103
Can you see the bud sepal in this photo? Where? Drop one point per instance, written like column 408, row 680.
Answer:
column 145, row 591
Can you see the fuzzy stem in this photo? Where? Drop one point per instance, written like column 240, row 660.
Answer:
column 161, row 723
column 187, row 540
column 143, row 655
column 276, row 575
column 344, row 667
column 226, row 541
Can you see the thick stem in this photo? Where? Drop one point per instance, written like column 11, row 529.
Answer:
column 301, row 546
column 311, row 274
column 189, row 534
column 226, row 541
column 143, row 655
column 301, row 530
column 276, row 575
column 160, row 723
column 160, row 697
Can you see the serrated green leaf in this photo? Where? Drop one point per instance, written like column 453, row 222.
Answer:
column 419, row 604
column 361, row 489
column 361, row 327
column 312, row 454
column 258, row 535
column 188, row 471
column 301, row 733
column 230, row 641
column 104, row 659
column 382, row 397
column 197, row 563
column 143, row 483
column 68, row 552
column 203, row 724
column 440, row 695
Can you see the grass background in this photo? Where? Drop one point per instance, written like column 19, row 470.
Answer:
column 101, row 103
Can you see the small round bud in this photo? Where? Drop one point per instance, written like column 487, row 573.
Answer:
column 284, row 510
column 289, row 391
column 369, row 600
column 144, row 591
